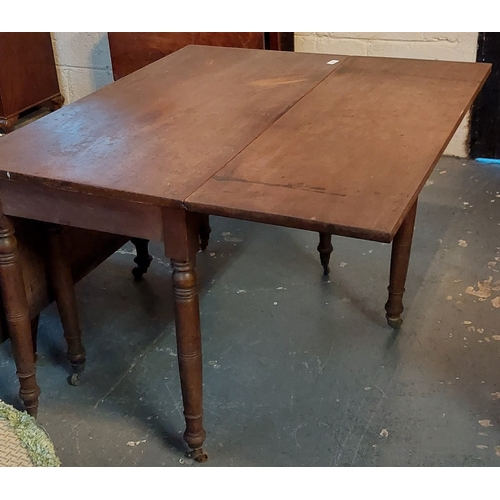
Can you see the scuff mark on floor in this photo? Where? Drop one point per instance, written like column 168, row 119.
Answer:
column 135, row 443
column 485, row 423
column 231, row 239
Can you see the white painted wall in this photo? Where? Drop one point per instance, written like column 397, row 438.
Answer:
column 84, row 64
column 443, row 46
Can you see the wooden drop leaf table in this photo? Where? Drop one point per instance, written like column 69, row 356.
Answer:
column 334, row 144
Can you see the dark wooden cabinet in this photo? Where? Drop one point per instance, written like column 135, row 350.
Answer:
column 131, row 51
column 28, row 75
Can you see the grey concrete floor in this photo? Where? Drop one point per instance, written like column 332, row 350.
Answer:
column 299, row 370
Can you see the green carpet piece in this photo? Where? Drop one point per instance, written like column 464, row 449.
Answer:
column 30, row 436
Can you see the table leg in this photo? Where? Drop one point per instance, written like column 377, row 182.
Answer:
column 143, row 259
column 64, row 291
column 187, row 322
column 325, row 248
column 400, row 257
column 181, row 237
column 34, row 334
column 17, row 316
column 205, row 231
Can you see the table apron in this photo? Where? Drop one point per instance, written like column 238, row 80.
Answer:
column 127, row 218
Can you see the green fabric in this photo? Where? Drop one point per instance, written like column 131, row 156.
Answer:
column 32, row 437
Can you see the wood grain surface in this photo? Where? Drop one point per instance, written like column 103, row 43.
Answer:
column 351, row 157
column 277, row 137
column 156, row 135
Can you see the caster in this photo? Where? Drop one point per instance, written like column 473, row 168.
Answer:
column 74, row 379
column 198, row 455
column 395, row 322
column 138, row 273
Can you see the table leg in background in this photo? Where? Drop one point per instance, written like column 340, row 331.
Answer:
column 142, row 259
column 325, row 249
column 400, row 257
column 34, row 334
column 17, row 316
column 64, row 290
column 205, row 231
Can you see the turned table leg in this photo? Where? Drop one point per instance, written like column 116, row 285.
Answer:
column 181, row 239
column 64, row 291
column 205, row 231
column 143, row 259
column 187, row 325
column 17, row 316
column 325, row 249
column 400, row 257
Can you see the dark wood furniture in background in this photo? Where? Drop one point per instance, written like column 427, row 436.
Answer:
column 131, row 51
column 485, row 121
column 28, row 76
column 359, row 174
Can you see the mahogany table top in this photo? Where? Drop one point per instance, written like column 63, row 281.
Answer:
column 285, row 138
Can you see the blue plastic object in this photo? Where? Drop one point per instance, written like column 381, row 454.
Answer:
column 488, row 160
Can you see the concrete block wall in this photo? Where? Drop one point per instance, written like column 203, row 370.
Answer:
column 442, row 46
column 84, row 64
